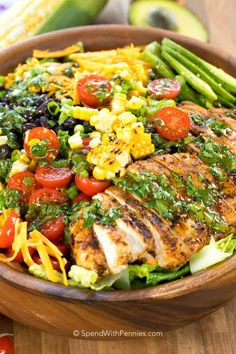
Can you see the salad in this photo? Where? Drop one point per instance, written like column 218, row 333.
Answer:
column 117, row 167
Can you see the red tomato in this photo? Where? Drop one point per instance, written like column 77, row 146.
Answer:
column 172, row 123
column 24, row 182
column 7, row 233
column 6, row 345
column 165, row 88
column 65, row 249
column 19, row 258
column 85, row 145
column 94, row 90
column 81, row 198
column 47, row 195
column 53, row 177
column 54, row 261
column 47, row 142
column 91, row 186
column 53, row 229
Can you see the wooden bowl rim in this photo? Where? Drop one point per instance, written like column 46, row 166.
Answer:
column 174, row 289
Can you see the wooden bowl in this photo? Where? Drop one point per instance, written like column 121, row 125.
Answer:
column 55, row 308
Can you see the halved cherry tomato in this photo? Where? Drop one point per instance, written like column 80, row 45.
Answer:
column 53, row 177
column 94, row 90
column 19, row 257
column 65, row 249
column 85, row 145
column 172, row 123
column 7, row 232
column 48, row 195
column 91, row 186
column 165, row 88
column 6, row 345
column 53, row 229
column 54, row 261
column 81, row 198
column 41, row 144
column 24, row 182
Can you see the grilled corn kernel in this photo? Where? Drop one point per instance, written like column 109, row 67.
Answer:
column 142, row 146
column 83, row 113
column 75, row 141
column 94, row 142
column 109, row 158
column 103, row 121
column 108, row 138
column 99, row 173
column 136, row 103
column 95, row 135
column 118, row 103
column 127, row 118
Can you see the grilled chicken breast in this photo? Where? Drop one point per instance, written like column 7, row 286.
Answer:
column 141, row 233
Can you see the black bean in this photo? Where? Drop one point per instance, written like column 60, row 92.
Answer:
column 70, row 123
column 5, row 151
column 42, row 108
column 44, row 122
column 28, row 126
column 28, row 115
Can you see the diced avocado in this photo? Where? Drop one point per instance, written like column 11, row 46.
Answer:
column 167, row 14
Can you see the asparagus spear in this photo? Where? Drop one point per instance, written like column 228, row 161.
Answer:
column 156, row 62
column 154, row 48
column 152, row 54
column 198, row 84
column 218, row 89
column 187, row 94
column 225, row 102
column 227, row 81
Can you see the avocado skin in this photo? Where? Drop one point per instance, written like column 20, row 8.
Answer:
column 188, row 24
column 71, row 13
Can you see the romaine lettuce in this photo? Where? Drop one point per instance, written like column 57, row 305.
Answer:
column 213, row 253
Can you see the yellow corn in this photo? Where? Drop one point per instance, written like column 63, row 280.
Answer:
column 103, row 121
column 118, row 103
column 136, row 103
column 109, row 158
column 83, row 113
column 24, row 20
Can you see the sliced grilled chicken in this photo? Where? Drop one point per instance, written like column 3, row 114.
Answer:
column 189, row 228
column 136, row 234
column 227, row 208
column 171, row 251
column 172, row 163
column 187, row 165
column 227, row 187
column 216, row 113
column 86, row 249
column 117, row 251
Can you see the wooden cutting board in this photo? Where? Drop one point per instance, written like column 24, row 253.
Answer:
column 214, row 334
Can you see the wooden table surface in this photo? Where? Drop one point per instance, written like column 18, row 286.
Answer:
column 214, row 334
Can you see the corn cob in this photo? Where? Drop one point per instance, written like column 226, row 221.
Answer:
column 30, row 17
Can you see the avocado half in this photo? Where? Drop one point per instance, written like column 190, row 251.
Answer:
column 167, row 14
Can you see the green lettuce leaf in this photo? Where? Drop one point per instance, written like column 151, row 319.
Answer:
column 212, row 254
column 145, row 275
